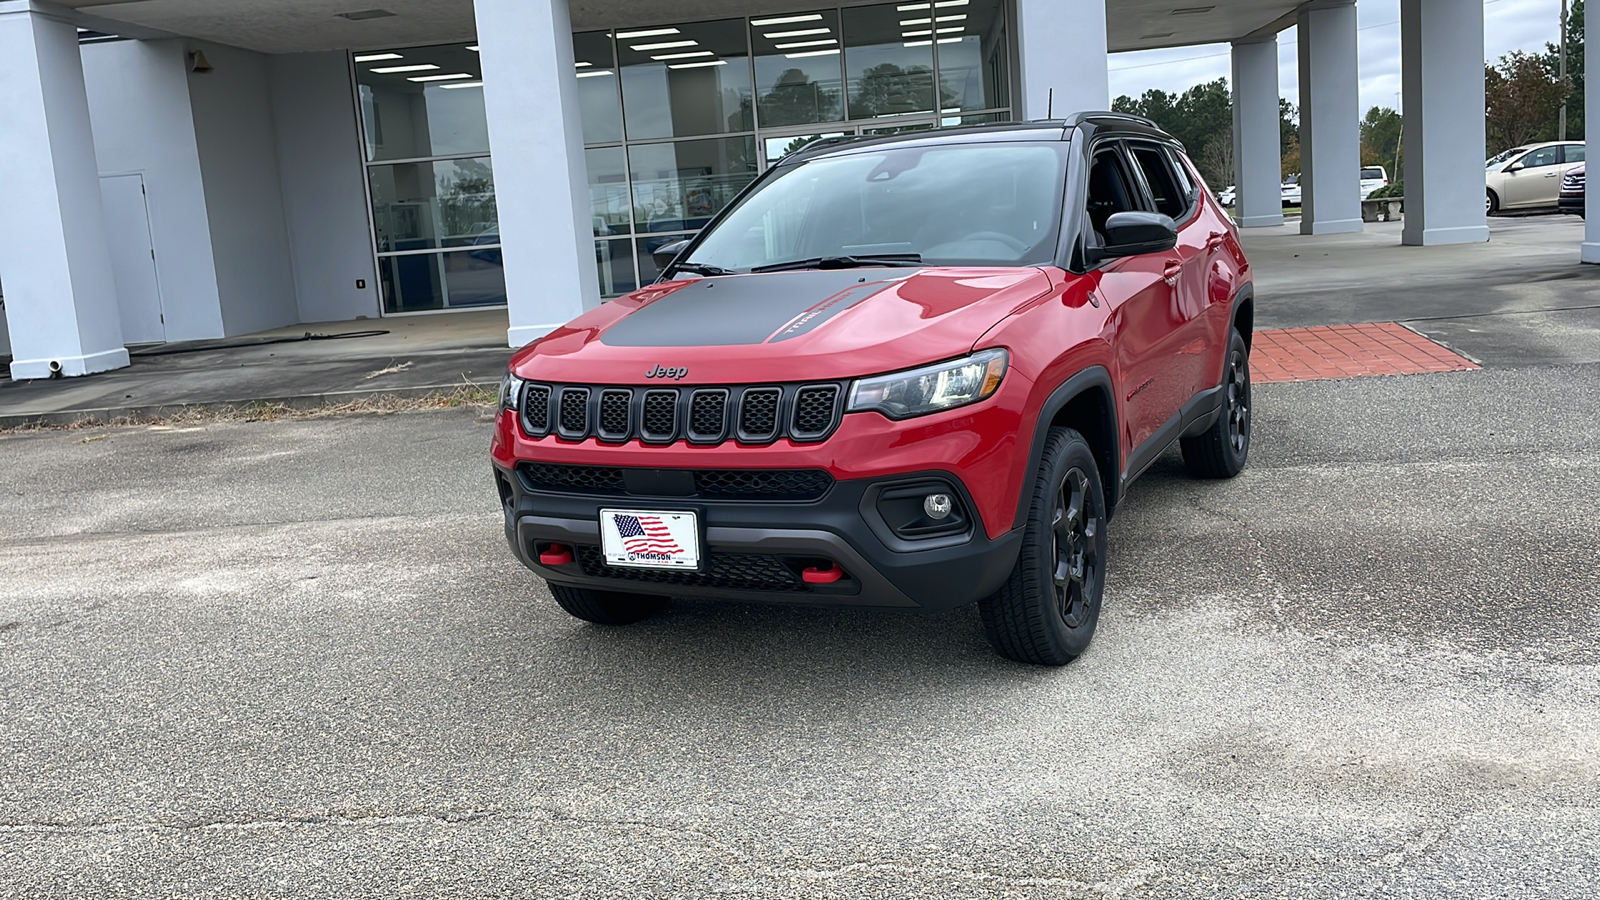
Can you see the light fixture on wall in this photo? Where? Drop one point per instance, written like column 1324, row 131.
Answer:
column 198, row 64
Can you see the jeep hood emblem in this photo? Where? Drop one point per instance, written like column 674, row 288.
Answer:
column 675, row 373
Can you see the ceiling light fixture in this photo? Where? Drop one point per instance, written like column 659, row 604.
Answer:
column 666, row 45
column 804, row 32
column 798, row 44
column 833, row 52
column 944, row 3
column 951, row 40
column 914, row 7
column 581, row 65
column 473, row 47
column 786, row 20
column 390, row 70
column 650, row 32
column 699, row 65
column 919, row 43
column 375, row 57
column 452, row 77
column 594, row 73
column 461, row 84
column 692, row 54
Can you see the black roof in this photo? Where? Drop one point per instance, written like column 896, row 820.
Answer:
column 1039, row 130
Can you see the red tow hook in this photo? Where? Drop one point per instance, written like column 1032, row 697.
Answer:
column 556, row 555
column 818, row 575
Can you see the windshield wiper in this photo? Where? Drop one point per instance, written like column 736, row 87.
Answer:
column 705, row 269
column 846, row 262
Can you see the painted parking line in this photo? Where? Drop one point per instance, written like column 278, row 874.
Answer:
column 1347, row 351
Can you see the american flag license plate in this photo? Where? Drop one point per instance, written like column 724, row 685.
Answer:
column 650, row 539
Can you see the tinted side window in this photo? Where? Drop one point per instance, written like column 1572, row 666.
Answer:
column 1547, row 156
column 1110, row 189
column 1575, row 152
column 1164, row 190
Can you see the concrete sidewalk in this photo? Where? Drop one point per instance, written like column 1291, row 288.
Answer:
column 341, row 362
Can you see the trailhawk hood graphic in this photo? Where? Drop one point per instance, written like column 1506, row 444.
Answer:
column 783, row 325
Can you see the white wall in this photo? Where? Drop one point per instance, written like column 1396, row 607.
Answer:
column 324, row 199
column 239, row 167
column 139, row 109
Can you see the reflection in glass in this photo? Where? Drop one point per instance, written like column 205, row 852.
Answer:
column 426, row 205
column 597, row 87
column 973, row 70
column 680, row 186
column 610, row 208
column 798, row 80
column 410, row 283
column 474, row 278
column 614, row 262
column 777, row 148
column 693, row 81
column 645, row 255
column 428, row 102
column 888, row 61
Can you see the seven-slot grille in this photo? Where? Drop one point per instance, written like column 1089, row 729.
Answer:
column 756, row 414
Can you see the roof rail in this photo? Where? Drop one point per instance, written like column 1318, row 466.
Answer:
column 1080, row 117
column 824, row 143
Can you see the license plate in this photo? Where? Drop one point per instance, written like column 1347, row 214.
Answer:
column 650, row 538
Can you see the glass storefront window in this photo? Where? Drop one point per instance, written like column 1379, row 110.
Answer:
column 798, row 75
column 421, row 102
column 685, row 80
column 681, row 185
column 609, row 202
column 888, row 60
column 613, row 261
column 973, row 67
column 431, row 205
column 597, row 87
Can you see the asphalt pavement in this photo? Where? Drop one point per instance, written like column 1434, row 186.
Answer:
column 296, row 659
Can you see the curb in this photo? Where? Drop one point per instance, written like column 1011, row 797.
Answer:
column 110, row 414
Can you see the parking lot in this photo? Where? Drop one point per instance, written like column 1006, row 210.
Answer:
column 296, row 659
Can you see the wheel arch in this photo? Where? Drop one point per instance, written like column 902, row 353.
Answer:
column 1085, row 403
column 1244, row 313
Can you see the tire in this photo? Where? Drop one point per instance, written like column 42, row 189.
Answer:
column 1221, row 451
column 1491, row 204
column 606, row 607
column 1046, row 611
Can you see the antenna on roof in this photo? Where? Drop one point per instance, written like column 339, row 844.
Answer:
column 1050, row 105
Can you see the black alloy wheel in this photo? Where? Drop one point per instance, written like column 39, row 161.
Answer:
column 1221, row 450
column 1046, row 611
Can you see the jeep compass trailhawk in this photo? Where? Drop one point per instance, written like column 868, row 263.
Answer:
column 917, row 371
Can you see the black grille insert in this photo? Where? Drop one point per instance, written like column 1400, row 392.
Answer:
column 708, row 415
column 536, row 408
column 712, row 484
column 758, row 414
column 814, row 411
column 615, row 415
column 572, row 479
column 733, row 571
column 659, row 421
column 574, row 413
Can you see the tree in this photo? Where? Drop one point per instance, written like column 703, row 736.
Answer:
column 1522, row 101
column 1198, row 117
column 1551, row 59
column 1380, row 140
column 887, row 88
column 797, row 100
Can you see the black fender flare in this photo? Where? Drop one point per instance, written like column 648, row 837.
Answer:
column 1094, row 377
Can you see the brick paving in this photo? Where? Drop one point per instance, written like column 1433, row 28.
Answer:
column 1347, row 351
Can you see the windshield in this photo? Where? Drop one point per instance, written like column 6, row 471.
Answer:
column 967, row 204
column 1497, row 160
column 1372, row 174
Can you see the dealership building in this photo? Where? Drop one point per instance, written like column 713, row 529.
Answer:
column 178, row 170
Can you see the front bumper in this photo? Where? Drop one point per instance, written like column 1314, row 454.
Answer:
column 758, row 550
column 1570, row 203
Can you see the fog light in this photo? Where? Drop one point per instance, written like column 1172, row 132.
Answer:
column 937, row 506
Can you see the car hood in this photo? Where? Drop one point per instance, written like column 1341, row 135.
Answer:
column 783, row 326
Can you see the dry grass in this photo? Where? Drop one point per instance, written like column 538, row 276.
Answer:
column 466, row 395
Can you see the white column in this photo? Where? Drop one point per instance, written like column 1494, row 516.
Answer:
column 1440, row 42
column 1257, row 144
column 61, row 299
column 1330, row 120
column 541, row 183
column 1062, row 44
column 1591, row 113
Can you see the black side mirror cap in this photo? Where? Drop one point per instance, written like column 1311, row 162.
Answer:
column 666, row 253
column 1135, row 234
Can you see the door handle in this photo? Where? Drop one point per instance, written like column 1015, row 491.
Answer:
column 1172, row 271
column 1215, row 240
column 1551, row 174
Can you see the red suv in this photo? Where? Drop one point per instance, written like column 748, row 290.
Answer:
column 917, row 371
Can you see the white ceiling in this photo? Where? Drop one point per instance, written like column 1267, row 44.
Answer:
column 289, row 26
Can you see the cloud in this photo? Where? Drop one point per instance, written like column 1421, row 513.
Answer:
column 1508, row 25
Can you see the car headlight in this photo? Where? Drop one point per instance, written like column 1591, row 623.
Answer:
column 511, row 391
column 931, row 389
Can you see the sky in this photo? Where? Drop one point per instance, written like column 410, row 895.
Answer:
column 1508, row 25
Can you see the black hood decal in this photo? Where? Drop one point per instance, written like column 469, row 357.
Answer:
column 747, row 309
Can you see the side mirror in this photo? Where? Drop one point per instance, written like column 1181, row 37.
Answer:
column 666, row 253
column 1137, row 233
column 1515, row 167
